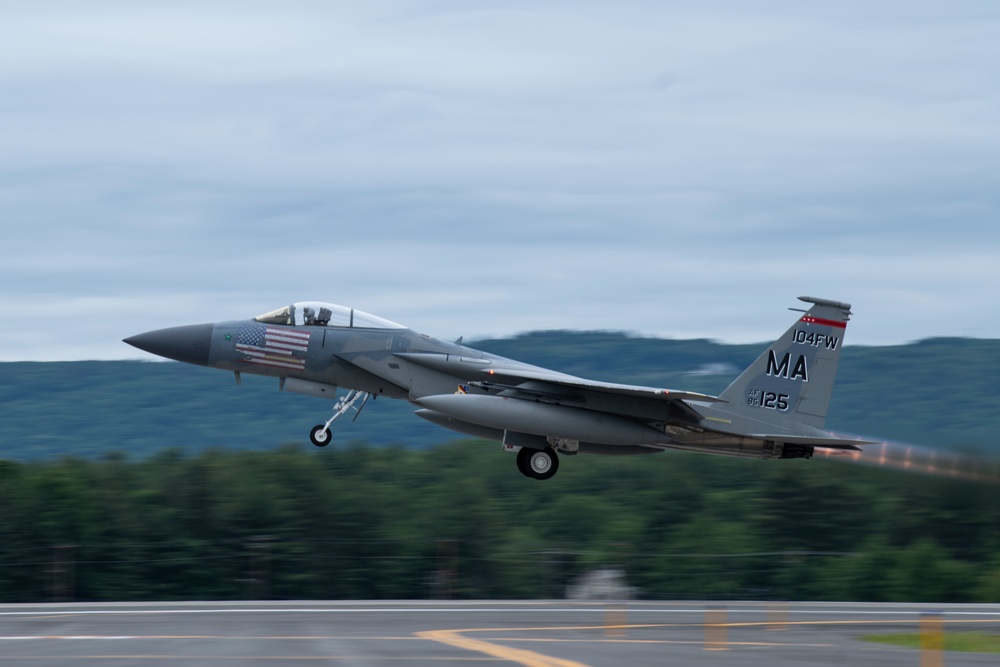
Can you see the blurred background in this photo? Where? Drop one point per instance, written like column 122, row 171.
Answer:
column 135, row 481
column 630, row 192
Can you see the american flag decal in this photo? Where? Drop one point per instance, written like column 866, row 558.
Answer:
column 273, row 346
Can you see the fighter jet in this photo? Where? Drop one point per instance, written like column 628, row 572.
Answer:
column 776, row 409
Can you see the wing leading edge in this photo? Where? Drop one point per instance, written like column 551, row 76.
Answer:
column 607, row 387
column 487, row 370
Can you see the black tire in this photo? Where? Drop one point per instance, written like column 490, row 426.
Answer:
column 522, row 462
column 537, row 463
column 320, row 435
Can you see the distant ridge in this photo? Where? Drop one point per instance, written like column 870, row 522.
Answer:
column 939, row 392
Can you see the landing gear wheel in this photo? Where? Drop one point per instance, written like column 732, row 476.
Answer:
column 537, row 463
column 320, row 435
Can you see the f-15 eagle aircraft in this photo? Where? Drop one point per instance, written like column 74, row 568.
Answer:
column 775, row 409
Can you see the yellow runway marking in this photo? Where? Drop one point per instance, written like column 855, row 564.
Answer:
column 521, row 656
column 489, row 651
column 458, row 639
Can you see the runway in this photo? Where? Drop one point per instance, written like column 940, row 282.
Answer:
column 465, row 634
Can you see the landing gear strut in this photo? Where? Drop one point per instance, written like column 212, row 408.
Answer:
column 537, row 463
column 320, row 435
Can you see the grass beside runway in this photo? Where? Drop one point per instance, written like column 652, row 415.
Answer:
column 970, row 642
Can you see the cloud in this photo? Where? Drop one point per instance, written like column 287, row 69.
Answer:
column 673, row 169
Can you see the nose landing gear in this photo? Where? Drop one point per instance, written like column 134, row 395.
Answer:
column 320, row 435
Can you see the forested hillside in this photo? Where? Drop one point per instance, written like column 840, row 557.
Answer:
column 458, row 521
column 942, row 393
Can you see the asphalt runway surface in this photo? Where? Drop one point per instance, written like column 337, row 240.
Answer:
column 460, row 634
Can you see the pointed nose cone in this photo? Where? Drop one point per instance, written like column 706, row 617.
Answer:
column 190, row 344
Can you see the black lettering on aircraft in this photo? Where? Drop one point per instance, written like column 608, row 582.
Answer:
column 775, row 401
column 815, row 339
column 800, row 372
column 775, row 369
column 759, row 398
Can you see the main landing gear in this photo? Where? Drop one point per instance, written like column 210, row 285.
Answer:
column 537, row 463
column 320, row 435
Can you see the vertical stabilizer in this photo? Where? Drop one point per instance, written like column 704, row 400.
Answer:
column 793, row 379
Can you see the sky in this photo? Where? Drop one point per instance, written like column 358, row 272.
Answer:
column 672, row 169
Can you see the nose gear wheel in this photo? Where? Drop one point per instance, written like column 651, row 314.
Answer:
column 320, row 435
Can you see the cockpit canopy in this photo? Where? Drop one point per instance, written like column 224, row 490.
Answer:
column 319, row 314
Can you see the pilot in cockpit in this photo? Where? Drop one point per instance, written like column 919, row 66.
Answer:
column 311, row 319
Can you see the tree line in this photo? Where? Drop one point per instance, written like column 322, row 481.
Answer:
column 457, row 520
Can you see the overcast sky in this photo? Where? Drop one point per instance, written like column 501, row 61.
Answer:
column 677, row 169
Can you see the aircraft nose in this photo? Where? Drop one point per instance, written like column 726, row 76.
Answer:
column 190, row 344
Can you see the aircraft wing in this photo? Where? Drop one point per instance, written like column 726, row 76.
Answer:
column 570, row 381
column 511, row 374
